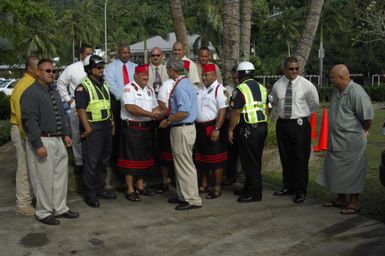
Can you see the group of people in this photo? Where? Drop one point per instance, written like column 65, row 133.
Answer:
column 180, row 116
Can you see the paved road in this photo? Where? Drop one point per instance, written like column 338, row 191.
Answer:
column 274, row 226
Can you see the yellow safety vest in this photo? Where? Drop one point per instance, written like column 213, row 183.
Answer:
column 252, row 107
column 96, row 105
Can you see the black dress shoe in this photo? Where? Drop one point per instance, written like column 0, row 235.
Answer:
column 92, row 203
column 241, row 192
column 187, row 206
column 50, row 220
column 175, row 200
column 248, row 199
column 163, row 188
column 68, row 215
column 299, row 198
column 283, row 192
column 106, row 195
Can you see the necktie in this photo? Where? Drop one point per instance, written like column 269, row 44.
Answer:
column 158, row 80
column 288, row 100
column 59, row 125
column 126, row 78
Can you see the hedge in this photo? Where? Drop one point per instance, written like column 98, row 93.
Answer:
column 375, row 92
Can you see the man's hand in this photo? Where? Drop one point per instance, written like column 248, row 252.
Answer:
column 86, row 133
column 68, row 141
column 42, row 152
column 214, row 135
column 164, row 123
column 230, row 136
column 157, row 114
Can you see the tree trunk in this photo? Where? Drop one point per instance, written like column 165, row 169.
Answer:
column 230, row 37
column 245, row 29
column 179, row 24
column 308, row 33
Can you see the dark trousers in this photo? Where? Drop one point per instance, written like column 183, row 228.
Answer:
column 251, row 139
column 96, row 156
column 294, row 149
column 115, row 107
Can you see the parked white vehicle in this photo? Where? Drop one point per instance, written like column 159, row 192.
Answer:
column 7, row 85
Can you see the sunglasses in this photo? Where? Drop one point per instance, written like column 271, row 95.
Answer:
column 292, row 69
column 48, row 70
column 99, row 67
column 155, row 55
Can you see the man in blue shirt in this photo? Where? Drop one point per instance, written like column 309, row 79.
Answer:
column 119, row 73
column 183, row 110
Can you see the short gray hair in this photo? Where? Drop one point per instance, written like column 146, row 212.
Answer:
column 176, row 64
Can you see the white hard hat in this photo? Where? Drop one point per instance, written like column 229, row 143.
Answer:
column 245, row 67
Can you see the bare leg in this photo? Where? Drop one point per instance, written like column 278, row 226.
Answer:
column 130, row 183
column 218, row 173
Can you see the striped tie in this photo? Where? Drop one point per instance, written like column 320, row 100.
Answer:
column 59, row 125
column 288, row 100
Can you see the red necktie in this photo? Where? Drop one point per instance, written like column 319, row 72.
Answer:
column 126, row 79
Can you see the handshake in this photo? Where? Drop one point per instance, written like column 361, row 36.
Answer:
column 157, row 114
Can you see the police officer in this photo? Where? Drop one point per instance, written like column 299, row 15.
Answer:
column 93, row 103
column 249, row 108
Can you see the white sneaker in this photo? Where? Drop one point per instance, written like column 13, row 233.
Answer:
column 26, row 210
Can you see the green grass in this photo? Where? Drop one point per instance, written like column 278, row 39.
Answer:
column 372, row 199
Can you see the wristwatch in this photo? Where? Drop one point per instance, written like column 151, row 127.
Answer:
column 217, row 128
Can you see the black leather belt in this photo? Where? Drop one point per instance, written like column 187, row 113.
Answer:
column 204, row 124
column 181, row 124
column 289, row 120
column 138, row 124
column 52, row 134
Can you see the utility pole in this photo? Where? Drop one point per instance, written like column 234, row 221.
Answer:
column 321, row 55
column 105, row 31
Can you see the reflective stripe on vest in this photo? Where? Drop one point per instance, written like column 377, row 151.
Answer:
column 96, row 105
column 252, row 107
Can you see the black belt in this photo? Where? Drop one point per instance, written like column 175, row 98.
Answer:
column 290, row 120
column 181, row 124
column 138, row 124
column 207, row 123
column 253, row 125
column 52, row 134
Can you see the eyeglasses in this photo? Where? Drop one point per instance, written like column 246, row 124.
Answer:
column 155, row 55
column 48, row 70
column 292, row 69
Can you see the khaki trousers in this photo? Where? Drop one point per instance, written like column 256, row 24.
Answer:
column 23, row 182
column 51, row 177
column 182, row 142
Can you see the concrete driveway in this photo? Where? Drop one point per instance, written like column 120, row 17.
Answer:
column 274, row 226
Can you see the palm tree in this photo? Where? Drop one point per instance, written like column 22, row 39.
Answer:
column 179, row 24
column 308, row 33
column 245, row 29
column 82, row 24
column 230, row 37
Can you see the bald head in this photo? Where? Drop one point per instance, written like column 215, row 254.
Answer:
column 340, row 76
column 31, row 65
column 178, row 49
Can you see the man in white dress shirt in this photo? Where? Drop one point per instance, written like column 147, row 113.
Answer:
column 66, row 85
column 294, row 99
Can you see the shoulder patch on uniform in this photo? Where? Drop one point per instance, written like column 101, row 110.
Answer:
column 126, row 90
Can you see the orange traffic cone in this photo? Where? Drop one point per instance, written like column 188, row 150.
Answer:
column 313, row 125
column 323, row 138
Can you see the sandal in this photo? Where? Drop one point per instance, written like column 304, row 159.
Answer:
column 333, row 204
column 213, row 194
column 145, row 192
column 350, row 210
column 133, row 197
column 203, row 190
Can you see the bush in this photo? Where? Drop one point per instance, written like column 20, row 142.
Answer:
column 5, row 131
column 375, row 92
column 5, row 108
